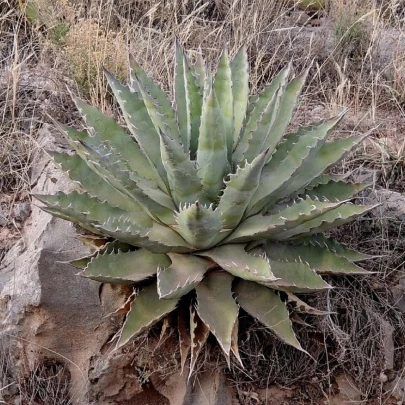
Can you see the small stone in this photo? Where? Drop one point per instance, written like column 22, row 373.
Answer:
column 392, row 205
column 389, row 347
column 3, row 218
column 383, row 378
column 365, row 175
column 396, row 388
column 398, row 292
column 348, row 393
column 22, row 211
column 300, row 18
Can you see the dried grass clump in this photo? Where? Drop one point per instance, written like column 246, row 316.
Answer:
column 47, row 382
column 88, row 49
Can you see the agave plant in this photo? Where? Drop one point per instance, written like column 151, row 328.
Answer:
column 209, row 206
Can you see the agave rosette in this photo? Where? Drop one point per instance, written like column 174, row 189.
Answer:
column 209, row 202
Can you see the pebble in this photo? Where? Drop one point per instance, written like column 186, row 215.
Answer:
column 22, row 211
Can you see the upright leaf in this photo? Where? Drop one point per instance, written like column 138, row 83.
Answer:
column 188, row 97
column 184, row 183
column 257, row 105
column 107, row 129
column 157, row 97
column 239, row 189
column 224, row 93
column 212, row 149
column 288, row 102
column 240, row 91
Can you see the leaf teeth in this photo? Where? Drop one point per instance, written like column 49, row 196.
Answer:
column 182, row 276
column 146, row 310
column 199, row 332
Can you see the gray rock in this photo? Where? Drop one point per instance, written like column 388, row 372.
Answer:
column 389, row 347
column 3, row 217
column 396, row 388
column 21, row 211
column 366, row 175
column 392, row 205
column 348, row 392
column 398, row 292
column 51, row 312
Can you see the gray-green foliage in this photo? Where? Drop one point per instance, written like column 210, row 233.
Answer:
column 209, row 203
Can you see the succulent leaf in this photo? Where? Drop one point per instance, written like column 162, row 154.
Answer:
column 240, row 91
column 109, row 247
column 84, row 209
column 296, row 277
column 258, row 138
column 236, row 261
column 287, row 104
column 184, row 182
column 125, row 267
column 239, row 190
column 280, row 174
column 188, row 98
column 335, row 190
column 264, row 305
column 289, row 217
column 212, row 148
column 214, row 292
column 199, row 71
column 78, row 171
column 156, row 100
column 331, row 219
column 224, row 93
column 141, row 127
column 155, row 202
column 318, row 258
column 182, row 275
column 104, row 128
column 328, row 155
column 333, row 246
column 256, row 107
column 146, row 310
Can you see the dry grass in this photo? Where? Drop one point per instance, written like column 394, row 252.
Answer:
column 358, row 63
column 46, row 383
